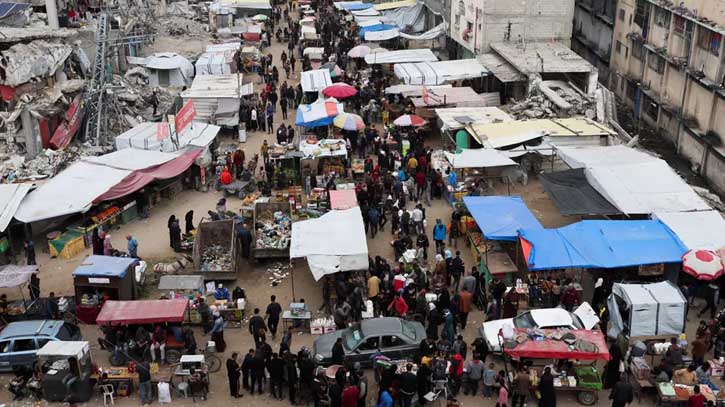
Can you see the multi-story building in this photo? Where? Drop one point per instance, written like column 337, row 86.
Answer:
column 593, row 30
column 477, row 23
column 667, row 64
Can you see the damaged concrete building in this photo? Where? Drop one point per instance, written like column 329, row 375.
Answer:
column 668, row 66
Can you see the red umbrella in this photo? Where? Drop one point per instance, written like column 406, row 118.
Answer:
column 702, row 264
column 408, row 120
column 339, row 91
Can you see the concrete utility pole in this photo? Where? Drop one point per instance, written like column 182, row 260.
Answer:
column 52, row 11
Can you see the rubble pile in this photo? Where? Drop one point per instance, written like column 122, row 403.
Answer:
column 131, row 99
column 180, row 26
column 216, row 258
column 273, row 230
column 540, row 107
column 46, row 164
column 277, row 273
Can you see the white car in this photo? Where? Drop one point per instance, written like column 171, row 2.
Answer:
column 583, row 317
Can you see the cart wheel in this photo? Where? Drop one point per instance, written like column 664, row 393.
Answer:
column 173, row 356
column 212, row 362
column 587, row 398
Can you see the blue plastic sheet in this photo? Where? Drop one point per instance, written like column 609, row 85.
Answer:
column 355, row 7
column 601, row 244
column 501, row 217
column 104, row 266
column 300, row 121
column 376, row 27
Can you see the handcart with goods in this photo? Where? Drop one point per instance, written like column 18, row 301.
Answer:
column 572, row 355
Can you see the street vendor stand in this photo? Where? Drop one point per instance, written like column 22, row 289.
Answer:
column 13, row 276
column 101, row 278
column 69, row 370
column 678, row 395
column 585, row 380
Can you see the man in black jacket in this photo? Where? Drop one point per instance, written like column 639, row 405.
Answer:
column 257, row 327
column 247, row 368
column 233, row 375
column 257, row 374
column 408, row 385
column 338, row 352
column 274, row 310
column 622, row 393
column 276, row 375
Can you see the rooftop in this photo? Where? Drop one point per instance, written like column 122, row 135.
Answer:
column 542, row 57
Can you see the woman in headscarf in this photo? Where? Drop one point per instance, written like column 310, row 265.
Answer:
column 189, row 218
column 98, row 241
column 169, row 224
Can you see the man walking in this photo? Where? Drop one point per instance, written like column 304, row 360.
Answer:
column 274, row 310
column 132, row 246
column 622, row 393
column 464, row 306
column 144, row 380
column 257, row 327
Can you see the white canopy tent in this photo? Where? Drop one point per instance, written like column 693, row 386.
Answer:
column 479, row 158
column 10, row 197
column 436, row 73
column 145, row 136
column 332, row 243
column 697, row 230
column 646, row 310
column 400, row 56
column 315, row 80
column 634, row 182
column 455, row 118
column 77, row 349
column 383, row 35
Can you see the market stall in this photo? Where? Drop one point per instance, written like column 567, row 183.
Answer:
column 575, row 346
column 101, row 278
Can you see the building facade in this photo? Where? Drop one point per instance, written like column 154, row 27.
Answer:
column 475, row 24
column 667, row 65
column 593, row 31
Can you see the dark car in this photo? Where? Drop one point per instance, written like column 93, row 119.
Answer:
column 20, row 341
column 393, row 337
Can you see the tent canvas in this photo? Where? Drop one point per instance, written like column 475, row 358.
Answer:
column 10, row 197
column 582, row 157
column 320, row 113
column 697, row 230
column 601, row 244
column 455, row 118
column 315, row 80
column 104, row 266
column 343, row 199
column 633, row 308
column 383, row 34
column 403, row 55
column 181, row 282
column 501, row 217
column 479, row 158
column 436, row 73
column 573, row 195
column 556, row 349
column 334, row 242
column 145, row 137
column 142, row 312
column 12, row 275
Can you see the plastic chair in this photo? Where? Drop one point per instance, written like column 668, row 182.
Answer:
column 183, row 388
column 107, row 393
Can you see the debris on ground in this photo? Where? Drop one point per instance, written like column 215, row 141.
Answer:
column 273, row 230
column 130, row 101
column 180, row 26
column 48, row 163
column 173, row 267
column 216, row 258
column 277, row 273
column 711, row 198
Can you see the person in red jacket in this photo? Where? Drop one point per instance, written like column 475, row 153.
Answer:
column 350, row 395
column 226, row 177
column 398, row 306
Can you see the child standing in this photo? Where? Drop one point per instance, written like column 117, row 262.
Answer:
column 489, row 380
column 503, row 396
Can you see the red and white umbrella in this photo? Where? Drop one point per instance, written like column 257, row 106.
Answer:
column 340, row 90
column 702, row 264
column 359, row 52
column 408, row 120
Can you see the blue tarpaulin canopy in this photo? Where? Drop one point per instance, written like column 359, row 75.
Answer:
column 501, row 217
column 354, row 6
column 601, row 244
column 300, row 121
column 104, row 266
column 376, row 27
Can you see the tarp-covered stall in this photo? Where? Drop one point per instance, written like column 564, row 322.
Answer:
column 10, row 197
column 601, row 244
column 646, row 310
column 456, row 118
column 342, row 199
column 150, row 136
column 12, row 275
column 479, row 158
column 142, row 312
column 166, row 69
column 315, row 80
column 112, row 277
column 573, row 195
column 501, row 217
column 400, row 56
column 697, row 230
column 436, row 73
column 634, row 182
column 320, row 113
column 334, row 242
column 216, row 63
column 216, row 98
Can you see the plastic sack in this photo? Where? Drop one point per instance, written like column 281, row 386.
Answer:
column 164, row 393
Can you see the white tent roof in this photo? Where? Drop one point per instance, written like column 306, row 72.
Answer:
column 332, row 243
column 455, row 118
column 166, row 61
column 10, row 197
column 227, row 46
column 382, row 35
column 367, row 12
column 436, row 73
column 64, row 348
column 143, row 137
column 315, row 80
column 215, row 86
column 369, row 22
column 634, row 182
column 663, row 292
column 697, row 230
column 396, row 89
column 71, row 191
column 577, row 157
column 132, row 159
column 403, row 55
column 479, row 158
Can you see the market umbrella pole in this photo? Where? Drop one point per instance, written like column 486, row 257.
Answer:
column 292, row 276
